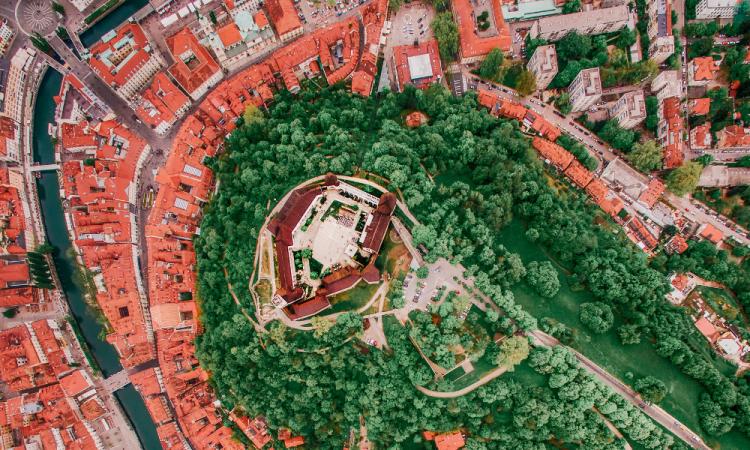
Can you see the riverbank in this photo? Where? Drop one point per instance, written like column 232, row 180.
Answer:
column 53, row 216
column 109, row 21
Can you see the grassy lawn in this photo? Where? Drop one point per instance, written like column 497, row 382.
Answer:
column 627, row 362
column 263, row 288
column 354, row 298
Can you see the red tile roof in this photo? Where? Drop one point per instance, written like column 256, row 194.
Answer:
column 127, row 54
column 580, row 175
column 283, row 15
column 472, row 45
column 193, row 65
column 733, row 136
column 402, row 55
column 710, row 232
column 229, row 34
column 678, row 244
column 558, row 156
column 704, row 68
column 707, row 329
column 162, row 102
column 700, row 106
column 450, row 441
column 652, row 193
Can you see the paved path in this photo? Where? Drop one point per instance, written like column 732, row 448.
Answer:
column 453, row 394
column 655, row 412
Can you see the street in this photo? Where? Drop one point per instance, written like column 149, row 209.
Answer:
column 687, row 206
column 655, row 412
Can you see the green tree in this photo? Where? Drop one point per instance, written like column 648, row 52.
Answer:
column 446, row 33
column 626, row 38
column 596, row 316
column 571, row 6
column 491, row 65
column 542, row 277
column 526, row 83
column 652, row 389
column 563, row 103
column 252, row 115
column 513, row 350
column 573, row 46
column 684, row 179
column 423, row 272
column 646, row 156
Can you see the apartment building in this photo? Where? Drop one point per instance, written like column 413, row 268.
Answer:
column 194, row 69
column 660, row 30
column 596, row 21
column 586, row 89
column 714, row 9
column 20, row 65
column 6, row 35
column 9, row 139
column 475, row 43
column 630, row 109
column 667, row 84
column 125, row 60
column 283, row 16
column 669, row 132
column 543, row 64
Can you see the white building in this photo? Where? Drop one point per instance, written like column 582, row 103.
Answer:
column 667, row 84
column 712, row 9
column 16, row 83
column 630, row 109
column 586, row 89
column 596, row 21
column 543, row 64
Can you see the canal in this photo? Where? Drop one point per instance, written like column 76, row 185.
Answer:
column 111, row 21
column 48, row 187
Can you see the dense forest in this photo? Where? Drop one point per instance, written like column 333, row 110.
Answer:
column 464, row 175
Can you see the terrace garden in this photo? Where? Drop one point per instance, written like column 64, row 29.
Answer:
column 481, row 199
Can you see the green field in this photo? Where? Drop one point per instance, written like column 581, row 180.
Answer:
column 627, row 362
column 354, row 298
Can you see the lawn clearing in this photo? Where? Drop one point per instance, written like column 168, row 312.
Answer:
column 627, row 362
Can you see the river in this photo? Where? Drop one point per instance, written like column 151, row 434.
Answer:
column 54, row 223
column 111, row 21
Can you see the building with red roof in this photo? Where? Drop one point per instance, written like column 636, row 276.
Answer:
column 669, row 132
column 677, row 244
column 125, row 60
column 415, row 119
column 194, row 69
column 607, row 200
column 417, row 64
column 651, row 195
column 702, row 70
column 553, row 153
column 9, row 139
column 700, row 106
column 446, row 441
column 711, row 233
column 283, row 16
column 640, row 234
column 474, row 43
column 700, row 136
column 580, row 175
column 161, row 104
column 707, row 329
column 733, row 136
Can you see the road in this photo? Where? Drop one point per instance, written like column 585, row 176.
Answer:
column 453, row 394
column 655, row 412
column 689, row 207
column 119, row 106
